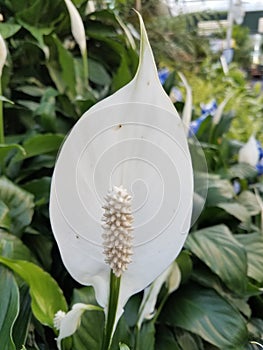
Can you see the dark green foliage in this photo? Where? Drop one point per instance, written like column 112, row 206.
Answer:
column 219, row 302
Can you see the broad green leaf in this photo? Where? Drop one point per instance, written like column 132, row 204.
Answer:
column 250, row 202
column 146, row 336
column 4, row 99
column 97, row 73
column 19, row 202
column 185, row 264
column 218, row 191
column 204, row 312
column 123, row 74
column 42, row 143
column 237, row 210
column 12, row 247
column 189, row 341
column 5, row 220
column 47, row 110
column 242, row 171
column 9, row 306
column 47, row 297
column 206, row 278
column 5, row 150
column 253, row 244
column 89, row 334
column 165, row 339
column 9, row 29
column 39, row 188
column 222, row 253
column 21, row 325
column 66, row 62
column 38, row 34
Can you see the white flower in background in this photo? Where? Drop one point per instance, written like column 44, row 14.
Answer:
column 67, row 323
column 131, row 142
column 249, row 152
column 3, row 54
column 77, row 27
column 172, row 277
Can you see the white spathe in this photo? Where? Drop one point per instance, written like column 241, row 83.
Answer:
column 249, row 152
column 67, row 323
column 77, row 27
column 133, row 139
column 3, row 54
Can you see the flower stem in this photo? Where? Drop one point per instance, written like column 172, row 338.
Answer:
column 112, row 308
column 2, row 137
column 85, row 67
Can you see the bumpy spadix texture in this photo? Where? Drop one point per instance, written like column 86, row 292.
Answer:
column 117, row 230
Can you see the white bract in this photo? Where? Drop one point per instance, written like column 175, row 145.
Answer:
column 67, row 323
column 249, row 152
column 3, row 54
column 172, row 277
column 77, row 27
column 133, row 139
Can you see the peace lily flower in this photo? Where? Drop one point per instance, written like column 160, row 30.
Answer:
column 78, row 32
column 172, row 277
column 249, row 152
column 67, row 323
column 3, row 54
column 122, row 191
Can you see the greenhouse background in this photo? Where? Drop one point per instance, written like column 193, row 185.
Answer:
column 131, row 175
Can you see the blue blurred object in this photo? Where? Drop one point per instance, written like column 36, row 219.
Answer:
column 163, row 74
column 236, row 186
column 259, row 165
column 206, row 110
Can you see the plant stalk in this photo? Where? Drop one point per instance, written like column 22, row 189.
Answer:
column 112, row 309
column 85, row 67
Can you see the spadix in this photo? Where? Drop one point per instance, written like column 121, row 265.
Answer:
column 134, row 139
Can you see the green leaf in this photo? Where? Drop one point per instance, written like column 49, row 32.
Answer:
column 5, row 220
column 123, row 346
column 66, row 62
column 218, row 191
column 47, row 109
column 5, row 150
column 39, row 188
column 42, row 143
column 250, row 202
column 97, row 73
column 21, row 326
column 185, row 265
column 242, row 171
column 12, row 247
column 253, row 244
column 237, row 210
column 19, row 202
column 4, row 99
column 9, row 29
column 89, row 334
column 146, row 336
column 165, row 339
column 123, row 74
column 222, row 253
column 204, row 312
column 47, row 297
column 9, row 306
column 189, row 341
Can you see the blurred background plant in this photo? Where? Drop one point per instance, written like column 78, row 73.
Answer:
column 216, row 302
